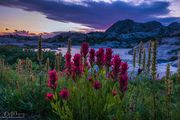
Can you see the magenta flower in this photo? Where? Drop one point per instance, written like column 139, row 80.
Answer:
column 64, row 94
column 123, row 82
column 77, row 66
column 53, row 77
column 49, row 96
column 97, row 85
column 68, row 63
column 123, row 77
column 124, row 67
column 84, row 49
column 108, row 57
column 116, row 63
column 87, row 64
column 92, row 56
column 100, row 57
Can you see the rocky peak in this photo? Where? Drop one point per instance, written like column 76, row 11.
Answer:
column 174, row 26
column 129, row 26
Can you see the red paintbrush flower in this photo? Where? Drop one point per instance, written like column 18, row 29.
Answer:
column 124, row 67
column 68, row 63
column 123, row 77
column 92, row 56
column 100, row 57
column 53, row 77
column 123, row 82
column 64, row 94
column 116, row 63
column 97, row 85
column 49, row 96
column 77, row 66
column 108, row 57
column 84, row 49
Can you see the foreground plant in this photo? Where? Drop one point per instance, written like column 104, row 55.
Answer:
column 134, row 58
column 88, row 94
column 84, row 51
column 149, row 56
column 178, row 70
column 144, row 60
column 169, row 91
column 153, row 74
column 140, row 54
column 84, row 87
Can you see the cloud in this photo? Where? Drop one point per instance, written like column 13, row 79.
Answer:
column 95, row 14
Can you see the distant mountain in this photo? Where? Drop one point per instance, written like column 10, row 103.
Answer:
column 125, row 33
column 129, row 26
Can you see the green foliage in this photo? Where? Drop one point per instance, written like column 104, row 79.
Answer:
column 12, row 53
column 22, row 92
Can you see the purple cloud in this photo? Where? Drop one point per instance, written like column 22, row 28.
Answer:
column 99, row 15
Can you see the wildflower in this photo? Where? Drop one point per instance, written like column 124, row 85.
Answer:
column 90, row 79
column 116, row 63
column 178, row 70
column 123, row 82
column 144, row 60
column 114, row 92
column 169, row 87
column 77, row 67
column 49, row 96
column 84, row 49
column 40, row 52
column 47, row 64
column 140, row 53
column 108, row 57
column 52, row 82
column 22, row 62
column 92, row 56
column 134, row 58
column 19, row 67
column 179, row 62
column 100, row 57
column 149, row 56
column 123, row 77
column 97, row 85
column 124, row 67
column 64, row 94
column 153, row 69
column 58, row 61
column 167, row 73
column 32, row 79
column 68, row 63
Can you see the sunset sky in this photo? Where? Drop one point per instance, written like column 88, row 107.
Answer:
column 82, row 15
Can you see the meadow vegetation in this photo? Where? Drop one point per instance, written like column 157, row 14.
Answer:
column 91, row 85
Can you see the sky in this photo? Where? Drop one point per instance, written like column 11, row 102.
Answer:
column 39, row 16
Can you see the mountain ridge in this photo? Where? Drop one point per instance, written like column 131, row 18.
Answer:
column 129, row 26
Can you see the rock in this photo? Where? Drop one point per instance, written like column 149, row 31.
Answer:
column 129, row 26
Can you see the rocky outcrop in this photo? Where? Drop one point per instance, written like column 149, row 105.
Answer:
column 129, row 26
column 152, row 27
